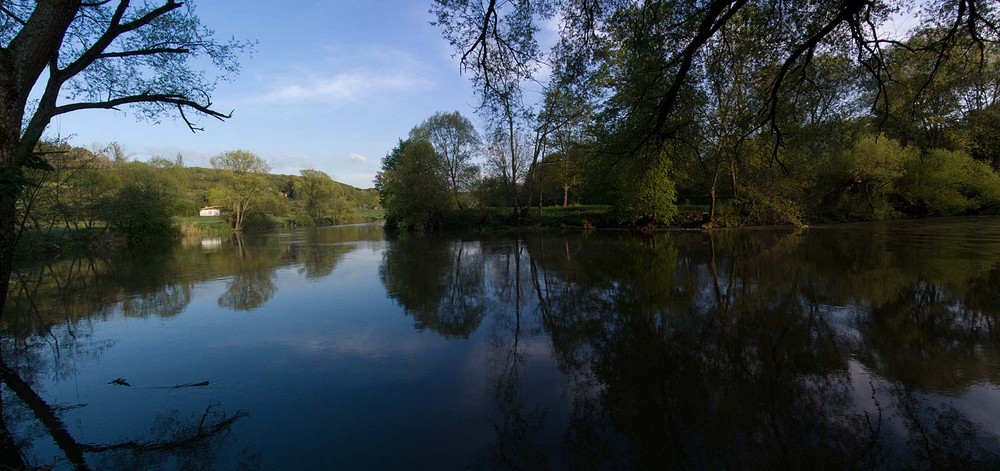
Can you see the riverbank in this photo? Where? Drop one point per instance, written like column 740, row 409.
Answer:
column 600, row 217
column 56, row 242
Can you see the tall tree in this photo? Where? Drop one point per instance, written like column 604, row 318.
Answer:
column 244, row 186
column 314, row 188
column 656, row 46
column 496, row 40
column 456, row 141
column 96, row 55
column 411, row 187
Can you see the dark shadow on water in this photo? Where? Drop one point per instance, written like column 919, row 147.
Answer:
column 761, row 349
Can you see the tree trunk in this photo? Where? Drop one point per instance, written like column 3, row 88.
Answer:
column 10, row 453
column 9, row 171
column 21, row 63
column 7, row 242
column 565, row 195
column 711, row 192
column 540, row 195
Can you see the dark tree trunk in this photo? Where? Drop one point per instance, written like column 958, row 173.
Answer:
column 10, row 453
column 21, row 64
column 7, row 241
column 9, row 171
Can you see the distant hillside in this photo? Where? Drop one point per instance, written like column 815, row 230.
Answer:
column 196, row 181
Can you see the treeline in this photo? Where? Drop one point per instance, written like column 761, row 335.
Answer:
column 100, row 190
column 742, row 137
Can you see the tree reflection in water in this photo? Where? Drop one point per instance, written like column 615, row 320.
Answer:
column 35, row 346
column 50, row 319
column 854, row 347
column 740, row 349
column 440, row 283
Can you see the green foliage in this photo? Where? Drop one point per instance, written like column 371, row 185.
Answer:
column 301, row 219
column 322, row 199
column 240, row 162
column 867, row 174
column 982, row 138
column 949, row 182
column 243, row 187
column 645, row 193
column 455, row 141
column 758, row 135
column 412, row 189
column 142, row 208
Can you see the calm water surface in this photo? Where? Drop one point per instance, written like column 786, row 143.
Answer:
column 855, row 346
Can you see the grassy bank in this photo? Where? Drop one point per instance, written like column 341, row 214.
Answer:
column 194, row 226
column 548, row 217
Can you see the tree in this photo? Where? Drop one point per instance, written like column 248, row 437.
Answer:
column 315, row 188
column 497, row 43
column 411, row 187
column 321, row 197
column 565, row 117
column 949, row 182
column 562, row 170
column 869, row 172
column 244, row 186
column 686, row 78
column 936, row 89
column 96, row 55
column 455, row 140
column 644, row 192
column 507, row 157
column 143, row 206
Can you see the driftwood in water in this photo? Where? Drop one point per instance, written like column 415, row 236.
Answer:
column 123, row 382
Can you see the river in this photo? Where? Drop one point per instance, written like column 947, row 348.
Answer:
column 848, row 346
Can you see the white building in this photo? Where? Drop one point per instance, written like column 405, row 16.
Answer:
column 210, row 211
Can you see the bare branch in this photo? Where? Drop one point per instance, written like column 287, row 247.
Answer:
column 179, row 100
column 11, row 14
column 807, row 49
column 718, row 14
column 115, row 29
column 144, row 52
column 44, row 413
column 201, row 434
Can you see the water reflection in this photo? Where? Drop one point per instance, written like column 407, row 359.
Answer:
column 439, row 283
column 49, row 330
column 841, row 348
column 858, row 346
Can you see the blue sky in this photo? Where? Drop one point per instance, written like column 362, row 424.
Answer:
column 331, row 85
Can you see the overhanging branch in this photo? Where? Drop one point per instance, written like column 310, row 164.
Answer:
column 144, row 52
column 115, row 29
column 180, row 101
column 11, row 14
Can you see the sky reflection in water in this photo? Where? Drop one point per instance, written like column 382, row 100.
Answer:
column 848, row 346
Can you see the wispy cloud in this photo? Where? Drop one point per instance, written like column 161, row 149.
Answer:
column 351, row 73
column 347, row 87
column 358, row 158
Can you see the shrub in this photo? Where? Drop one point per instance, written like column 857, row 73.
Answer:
column 866, row 176
column 645, row 193
column 949, row 182
column 144, row 205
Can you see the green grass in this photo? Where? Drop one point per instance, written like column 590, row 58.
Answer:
column 570, row 216
column 371, row 215
column 202, row 225
column 493, row 218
